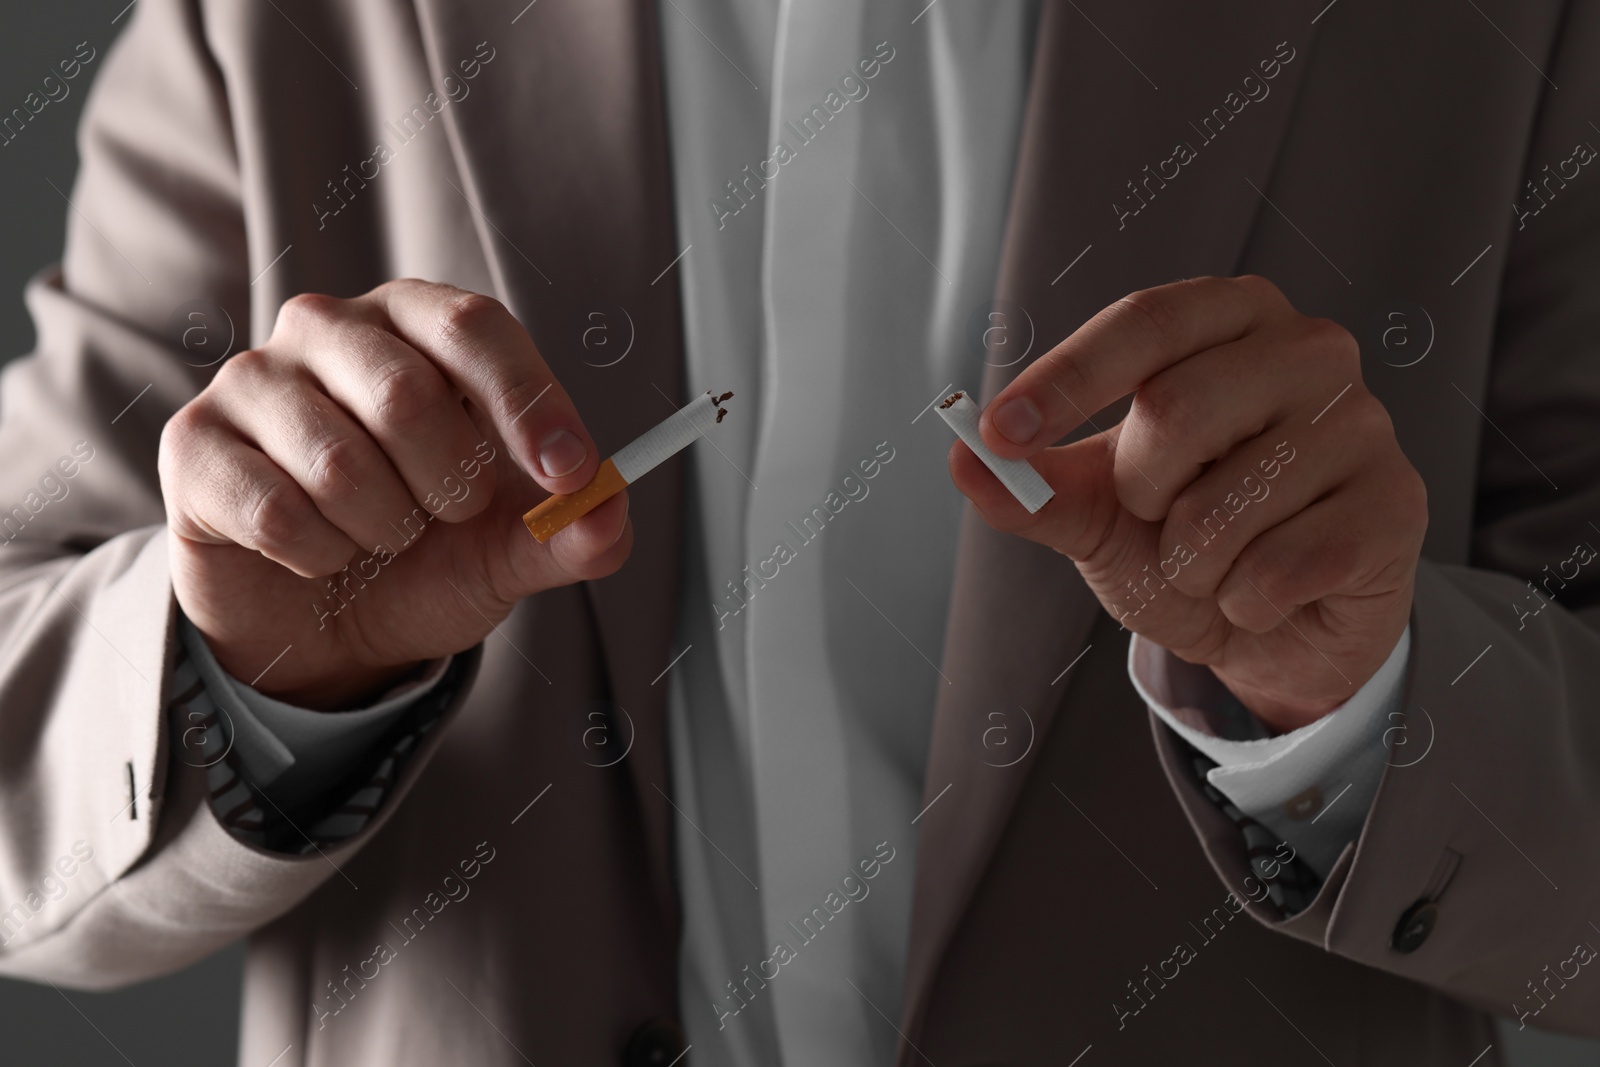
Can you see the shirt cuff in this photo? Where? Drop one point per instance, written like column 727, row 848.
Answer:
column 292, row 752
column 1313, row 786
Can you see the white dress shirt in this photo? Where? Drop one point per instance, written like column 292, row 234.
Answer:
column 831, row 292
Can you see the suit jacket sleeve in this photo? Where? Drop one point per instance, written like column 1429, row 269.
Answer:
column 1490, row 810
column 112, row 866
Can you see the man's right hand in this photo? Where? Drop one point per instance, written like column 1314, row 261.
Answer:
column 400, row 434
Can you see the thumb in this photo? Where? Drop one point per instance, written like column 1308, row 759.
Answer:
column 592, row 547
column 1081, row 516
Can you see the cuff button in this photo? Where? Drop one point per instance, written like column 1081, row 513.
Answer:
column 1415, row 926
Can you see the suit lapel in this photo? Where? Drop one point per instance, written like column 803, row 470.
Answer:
column 561, row 149
column 1094, row 122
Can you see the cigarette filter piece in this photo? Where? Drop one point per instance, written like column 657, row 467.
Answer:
column 1017, row 475
column 630, row 463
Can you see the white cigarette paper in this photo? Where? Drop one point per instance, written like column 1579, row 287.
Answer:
column 1017, row 475
column 655, row 446
column 630, row 463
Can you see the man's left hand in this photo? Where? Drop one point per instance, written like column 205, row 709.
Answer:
column 1253, row 512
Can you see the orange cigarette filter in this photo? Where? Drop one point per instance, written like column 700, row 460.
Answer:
column 630, row 463
column 556, row 513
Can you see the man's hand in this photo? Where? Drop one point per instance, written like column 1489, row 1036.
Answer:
column 399, row 434
column 1253, row 512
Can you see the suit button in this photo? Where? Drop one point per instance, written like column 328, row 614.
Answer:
column 1415, row 926
column 656, row 1043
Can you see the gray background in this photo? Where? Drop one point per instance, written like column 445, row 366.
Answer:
column 191, row 1017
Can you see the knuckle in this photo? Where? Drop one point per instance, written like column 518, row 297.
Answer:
column 511, row 400
column 1165, row 409
column 466, row 316
column 463, row 501
column 1332, row 339
column 248, row 366
column 335, row 461
column 1405, row 497
column 182, row 426
column 178, row 442
column 1282, row 577
column 1260, row 287
column 1266, row 577
column 1185, row 516
column 1209, row 644
column 406, row 393
column 1069, row 376
column 1133, row 493
column 1251, row 609
column 1154, row 309
column 1372, row 419
column 1337, row 562
column 401, row 285
column 276, row 518
column 421, row 293
column 304, row 311
column 1196, row 580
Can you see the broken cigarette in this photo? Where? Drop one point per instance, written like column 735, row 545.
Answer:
column 1017, row 475
column 627, row 465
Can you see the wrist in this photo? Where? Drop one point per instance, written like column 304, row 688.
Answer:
column 357, row 687
column 1279, row 713
column 1283, row 700
column 341, row 681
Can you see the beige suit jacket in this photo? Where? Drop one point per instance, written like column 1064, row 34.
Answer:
column 1378, row 176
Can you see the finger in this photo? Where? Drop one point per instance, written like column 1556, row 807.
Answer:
column 1113, row 549
column 590, row 548
column 1200, row 408
column 491, row 359
column 328, row 454
column 587, row 550
column 234, row 494
column 1263, row 482
column 398, row 396
column 1118, row 350
column 1075, row 521
column 1355, row 542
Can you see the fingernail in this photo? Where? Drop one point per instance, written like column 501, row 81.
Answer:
column 626, row 504
column 561, row 453
column 1018, row 420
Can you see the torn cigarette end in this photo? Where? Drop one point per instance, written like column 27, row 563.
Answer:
column 1017, row 475
column 630, row 463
